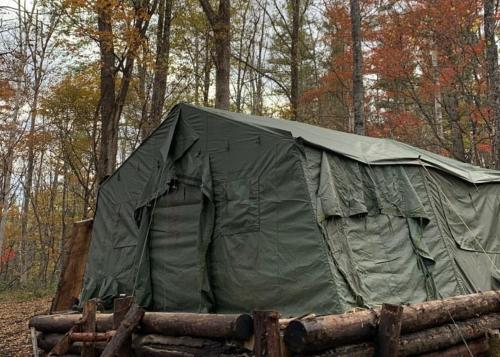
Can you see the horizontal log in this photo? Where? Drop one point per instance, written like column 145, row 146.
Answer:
column 91, row 336
column 165, row 323
column 61, row 323
column 427, row 341
column 478, row 348
column 46, row 341
column 198, row 325
column 324, row 332
column 159, row 345
column 448, row 335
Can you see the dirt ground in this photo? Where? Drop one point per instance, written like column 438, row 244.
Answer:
column 15, row 313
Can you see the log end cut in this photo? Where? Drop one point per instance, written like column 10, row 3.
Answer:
column 244, row 327
column 295, row 336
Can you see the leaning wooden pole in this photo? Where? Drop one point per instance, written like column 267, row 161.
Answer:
column 324, row 332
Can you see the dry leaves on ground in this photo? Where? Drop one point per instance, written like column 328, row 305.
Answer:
column 15, row 337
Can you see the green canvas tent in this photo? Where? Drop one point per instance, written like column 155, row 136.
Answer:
column 225, row 212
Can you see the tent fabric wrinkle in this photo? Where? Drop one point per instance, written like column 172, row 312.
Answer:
column 224, row 212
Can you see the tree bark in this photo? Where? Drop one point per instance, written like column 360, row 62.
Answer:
column 109, row 128
column 295, row 60
column 207, row 68
column 358, row 90
column 161, row 64
column 493, row 74
column 221, row 27
column 457, row 140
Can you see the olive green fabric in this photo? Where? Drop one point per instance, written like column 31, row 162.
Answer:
column 224, row 212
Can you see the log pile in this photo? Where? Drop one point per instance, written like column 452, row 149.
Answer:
column 146, row 333
column 458, row 326
column 440, row 326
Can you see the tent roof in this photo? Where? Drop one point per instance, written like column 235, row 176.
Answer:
column 368, row 150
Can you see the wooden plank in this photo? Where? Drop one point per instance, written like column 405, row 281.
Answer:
column 389, row 330
column 89, row 326
column 267, row 334
column 71, row 277
column 124, row 332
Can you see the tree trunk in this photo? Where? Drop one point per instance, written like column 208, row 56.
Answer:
column 109, row 129
column 457, row 140
column 438, row 113
column 358, row 91
column 295, row 60
column 493, row 75
column 207, row 68
column 221, row 27
column 161, row 64
column 28, row 185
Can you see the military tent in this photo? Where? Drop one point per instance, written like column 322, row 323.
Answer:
column 224, row 212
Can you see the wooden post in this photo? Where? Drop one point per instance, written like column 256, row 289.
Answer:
column 124, row 332
column 89, row 325
column 494, row 342
column 73, row 268
column 34, row 342
column 267, row 334
column 120, row 309
column 389, row 330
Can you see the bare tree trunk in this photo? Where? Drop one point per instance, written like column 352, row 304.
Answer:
column 207, row 68
column 161, row 64
column 457, row 140
column 240, row 78
column 438, row 113
column 196, row 69
column 221, row 27
column 295, row 60
column 111, row 103
column 259, row 101
column 142, row 93
column 358, row 91
column 493, row 74
column 7, row 166
column 28, row 184
column 109, row 129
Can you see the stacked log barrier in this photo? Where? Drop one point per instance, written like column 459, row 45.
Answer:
column 156, row 333
column 425, row 327
column 445, row 327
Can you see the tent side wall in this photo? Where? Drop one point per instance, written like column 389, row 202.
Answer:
column 404, row 233
column 111, row 264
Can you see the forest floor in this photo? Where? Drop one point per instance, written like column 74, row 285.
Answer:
column 16, row 308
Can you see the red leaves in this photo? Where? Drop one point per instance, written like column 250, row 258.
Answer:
column 8, row 255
